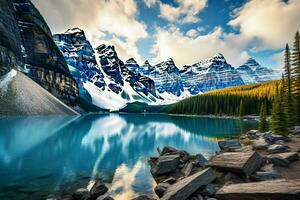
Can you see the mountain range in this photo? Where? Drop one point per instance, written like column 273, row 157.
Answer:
column 108, row 82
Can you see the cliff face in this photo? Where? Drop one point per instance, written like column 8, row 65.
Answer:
column 10, row 39
column 28, row 45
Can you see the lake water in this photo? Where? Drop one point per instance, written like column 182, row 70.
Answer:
column 44, row 157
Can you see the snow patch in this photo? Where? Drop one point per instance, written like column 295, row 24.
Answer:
column 6, row 79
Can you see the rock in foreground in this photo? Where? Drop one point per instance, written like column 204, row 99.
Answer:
column 187, row 186
column 266, row 190
column 238, row 162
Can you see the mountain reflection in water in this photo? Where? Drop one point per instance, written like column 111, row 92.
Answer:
column 41, row 157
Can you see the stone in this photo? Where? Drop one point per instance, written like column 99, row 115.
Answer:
column 296, row 130
column 280, row 189
column 278, row 148
column 252, row 134
column 165, row 164
column 187, row 169
column 272, row 138
column 196, row 197
column 143, row 197
column 232, row 177
column 238, row 162
column 81, row 194
column 260, row 144
column 187, row 186
column 290, row 156
column 161, row 188
column 265, row 175
column 170, row 180
column 280, row 142
column 209, row 190
column 105, row 198
column 277, row 160
column 96, row 189
column 229, row 144
column 200, row 160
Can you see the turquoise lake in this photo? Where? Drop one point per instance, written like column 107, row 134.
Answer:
column 47, row 157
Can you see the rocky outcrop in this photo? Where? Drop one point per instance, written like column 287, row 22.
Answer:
column 20, row 95
column 278, row 189
column 27, row 45
column 10, row 43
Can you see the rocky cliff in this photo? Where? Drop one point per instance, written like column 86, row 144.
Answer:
column 27, row 45
column 10, row 43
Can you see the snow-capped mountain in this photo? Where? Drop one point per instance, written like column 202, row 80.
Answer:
column 209, row 74
column 107, row 82
column 103, row 78
column 253, row 72
column 166, row 76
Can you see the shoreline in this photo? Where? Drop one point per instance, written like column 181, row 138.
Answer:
column 238, row 171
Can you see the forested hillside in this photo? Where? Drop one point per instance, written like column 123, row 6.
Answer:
column 240, row 100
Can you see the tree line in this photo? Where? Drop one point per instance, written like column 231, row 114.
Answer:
column 286, row 105
column 280, row 99
column 238, row 101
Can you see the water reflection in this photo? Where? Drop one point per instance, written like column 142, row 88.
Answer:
column 50, row 155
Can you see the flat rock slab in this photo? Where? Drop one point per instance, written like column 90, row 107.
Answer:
column 281, row 189
column 229, row 144
column 187, row 186
column 239, row 162
column 290, row 156
column 165, row 164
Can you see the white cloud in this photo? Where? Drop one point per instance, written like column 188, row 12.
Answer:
column 150, row 3
column 192, row 33
column 172, row 43
column 268, row 23
column 185, row 12
column 116, row 17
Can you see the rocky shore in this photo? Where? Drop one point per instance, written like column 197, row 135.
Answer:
column 256, row 166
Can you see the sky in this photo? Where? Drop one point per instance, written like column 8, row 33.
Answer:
column 185, row 30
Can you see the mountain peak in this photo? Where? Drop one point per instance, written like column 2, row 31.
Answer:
column 131, row 61
column 74, row 30
column 252, row 63
column 218, row 55
column 146, row 62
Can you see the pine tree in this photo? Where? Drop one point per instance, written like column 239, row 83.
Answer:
column 296, row 77
column 278, row 125
column 263, row 125
column 287, row 90
column 241, row 109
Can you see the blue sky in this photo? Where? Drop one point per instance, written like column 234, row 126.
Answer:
column 186, row 30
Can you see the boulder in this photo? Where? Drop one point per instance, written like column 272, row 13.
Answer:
column 96, row 189
column 209, row 190
column 105, row 198
column 290, row 156
column 187, row 186
column 165, row 164
column 278, row 148
column 170, row 180
column 200, row 160
column 278, row 160
column 143, row 197
column 252, row 134
column 161, row 188
column 260, row 144
column 187, row 169
column 196, row 197
column 296, row 130
column 81, row 194
column 265, row 190
column 229, row 145
column 272, row 138
column 265, row 175
column 239, row 162
column 280, row 142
